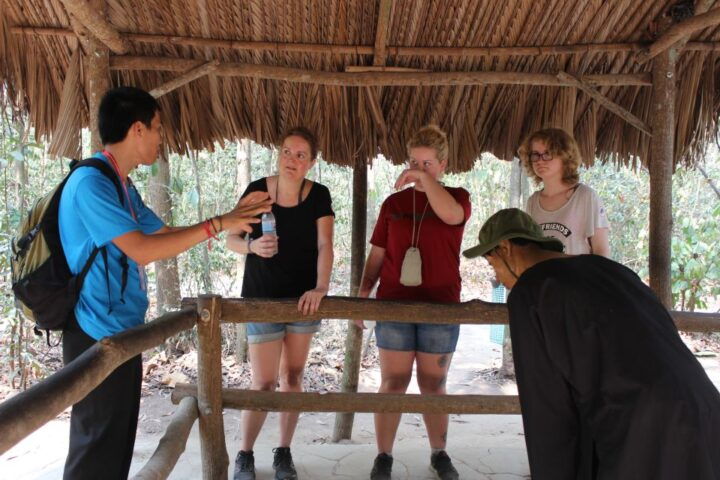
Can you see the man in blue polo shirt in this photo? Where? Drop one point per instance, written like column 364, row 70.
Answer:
column 114, row 297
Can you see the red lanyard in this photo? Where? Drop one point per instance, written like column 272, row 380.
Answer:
column 115, row 166
column 113, row 162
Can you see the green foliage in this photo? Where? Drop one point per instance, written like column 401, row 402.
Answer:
column 695, row 234
column 26, row 173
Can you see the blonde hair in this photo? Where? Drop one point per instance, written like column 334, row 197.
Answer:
column 560, row 144
column 430, row 136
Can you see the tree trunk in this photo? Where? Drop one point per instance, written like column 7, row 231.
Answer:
column 21, row 184
column 353, row 341
column 206, row 278
column 166, row 271
column 270, row 159
column 243, row 160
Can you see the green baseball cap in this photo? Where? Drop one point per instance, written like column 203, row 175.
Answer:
column 510, row 223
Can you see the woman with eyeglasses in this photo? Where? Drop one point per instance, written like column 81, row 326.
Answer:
column 415, row 255
column 565, row 208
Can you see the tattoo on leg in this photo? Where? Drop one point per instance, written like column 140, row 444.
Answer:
column 443, row 360
column 442, row 382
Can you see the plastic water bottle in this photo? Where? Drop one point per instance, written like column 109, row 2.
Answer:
column 268, row 225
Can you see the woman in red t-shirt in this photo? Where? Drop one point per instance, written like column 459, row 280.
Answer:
column 415, row 255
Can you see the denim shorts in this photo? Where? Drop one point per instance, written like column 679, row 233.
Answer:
column 267, row 332
column 418, row 337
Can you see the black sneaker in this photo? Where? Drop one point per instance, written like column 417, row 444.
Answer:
column 442, row 466
column 244, row 466
column 382, row 468
column 283, row 464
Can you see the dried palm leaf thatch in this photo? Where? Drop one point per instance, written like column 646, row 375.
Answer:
column 355, row 124
column 66, row 141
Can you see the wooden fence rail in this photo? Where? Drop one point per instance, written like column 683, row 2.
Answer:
column 475, row 312
column 357, row 402
column 172, row 444
column 29, row 410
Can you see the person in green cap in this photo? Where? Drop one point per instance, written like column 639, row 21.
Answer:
column 608, row 390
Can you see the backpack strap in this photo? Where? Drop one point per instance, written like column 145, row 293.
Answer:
column 105, row 169
column 108, row 171
column 103, row 251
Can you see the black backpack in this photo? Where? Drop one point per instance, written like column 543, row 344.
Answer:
column 45, row 289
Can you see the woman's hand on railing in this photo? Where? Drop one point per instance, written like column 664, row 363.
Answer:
column 310, row 300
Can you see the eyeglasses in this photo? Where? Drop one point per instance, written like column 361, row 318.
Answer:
column 537, row 156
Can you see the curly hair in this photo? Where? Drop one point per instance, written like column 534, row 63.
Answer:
column 560, row 144
column 430, row 136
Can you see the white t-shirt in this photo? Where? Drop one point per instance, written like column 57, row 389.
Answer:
column 573, row 223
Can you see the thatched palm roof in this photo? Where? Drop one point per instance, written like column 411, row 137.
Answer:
column 238, row 102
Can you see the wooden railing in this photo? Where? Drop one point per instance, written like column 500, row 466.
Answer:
column 27, row 411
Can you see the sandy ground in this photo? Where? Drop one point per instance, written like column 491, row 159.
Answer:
column 482, row 446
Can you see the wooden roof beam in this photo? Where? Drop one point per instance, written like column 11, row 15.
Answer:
column 679, row 32
column 373, row 79
column 381, row 32
column 381, row 68
column 187, row 77
column 101, row 29
column 398, row 51
column 605, row 102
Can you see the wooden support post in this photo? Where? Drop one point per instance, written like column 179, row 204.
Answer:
column 97, row 76
column 212, row 432
column 353, row 341
column 359, row 229
column 662, row 149
column 243, row 160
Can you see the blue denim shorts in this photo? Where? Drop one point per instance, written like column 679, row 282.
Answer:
column 418, row 337
column 267, row 332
